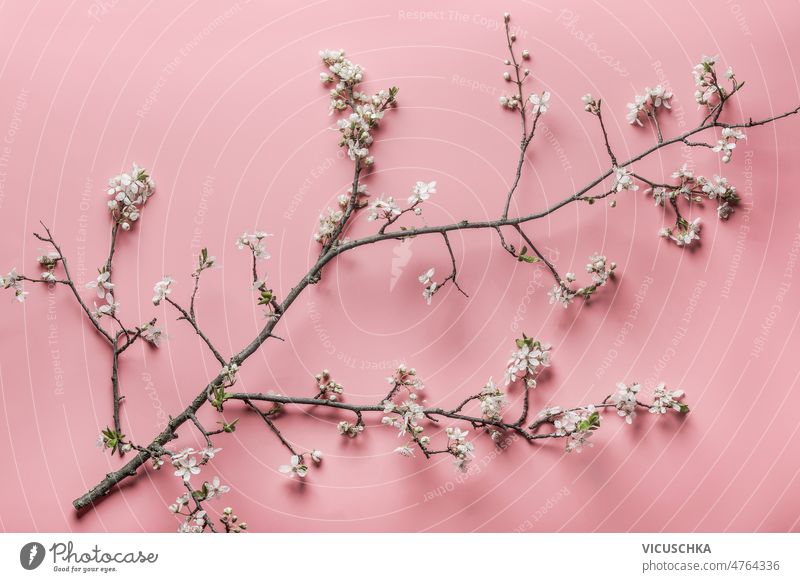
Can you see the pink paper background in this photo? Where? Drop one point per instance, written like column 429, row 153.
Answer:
column 222, row 101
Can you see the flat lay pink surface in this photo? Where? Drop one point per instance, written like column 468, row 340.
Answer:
column 222, row 102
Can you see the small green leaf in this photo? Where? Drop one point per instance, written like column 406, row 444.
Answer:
column 229, row 426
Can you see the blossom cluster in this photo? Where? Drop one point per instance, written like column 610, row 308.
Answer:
column 492, row 401
column 726, row 145
column 186, row 461
column 330, row 220
column 590, row 104
column 108, row 307
column 14, row 281
column 388, row 209
column 195, row 519
column 385, row 209
column 254, row 242
column 49, row 260
column 406, row 415
column 459, row 447
column 623, row 180
column 404, row 377
column 577, row 424
column 162, row 289
column 530, row 357
column 366, row 110
column 129, row 192
column 515, row 101
column 297, row 464
column 664, row 400
column 694, row 189
column 326, row 387
column 707, row 89
column 349, row 429
column 430, row 287
column 624, row 400
column 648, row 104
column 601, row 271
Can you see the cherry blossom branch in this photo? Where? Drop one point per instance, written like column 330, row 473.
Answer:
column 363, row 114
column 331, row 250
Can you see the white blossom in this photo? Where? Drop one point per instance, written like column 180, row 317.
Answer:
column 685, row 233
column 349, row 429
column 492, row 401
column 328, row 223
column 707, row 92
column 727, row 144
column 180, row 503
column 215, row 489
column 296, row 467
column 405, row 377
column 407, row 416
column 129, row 192
column 405, row 450
column 624, row 400
column 161, row 289
column 459, row 447
column 540, row 103
column 422, row 191
column 528, row 360
column 209, row 453
column 648, row 104
column 664, row 399
column 590, row 104
column 561, row 294
column 153, row 334
column 386, row 209
column 185, row 467
column 101, row 284
column 14, row 281
column 255, row 242
column 623, row 180
column 108, row 308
